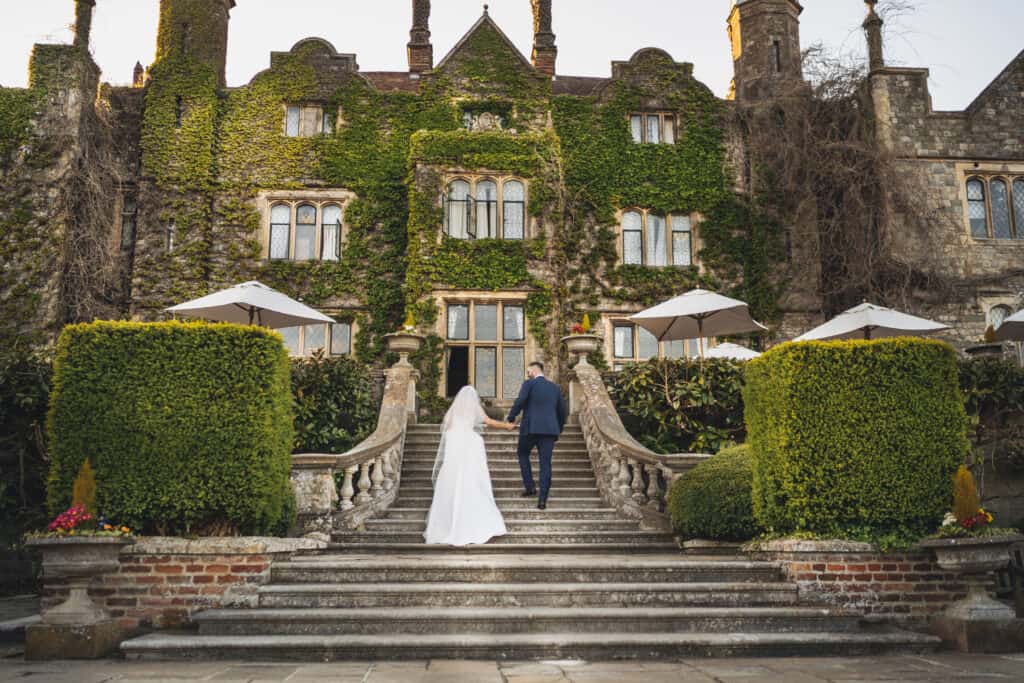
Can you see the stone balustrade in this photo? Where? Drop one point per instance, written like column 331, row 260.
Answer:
column 371, row 471
column 630, row 476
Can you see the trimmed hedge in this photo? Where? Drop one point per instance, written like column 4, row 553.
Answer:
column 188, row 425
column 713, row 500
column 855, row 439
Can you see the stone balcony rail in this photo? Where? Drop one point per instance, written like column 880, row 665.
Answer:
column 631, row 477
column 372, row 469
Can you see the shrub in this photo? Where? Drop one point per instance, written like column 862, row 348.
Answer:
column 965, row 495
column 188, row 425
column 713, row 499
column 855, row 439
column 83, row 491
column 672, row 407
column 333, row 403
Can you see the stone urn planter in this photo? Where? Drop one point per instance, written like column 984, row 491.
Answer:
column 78, row 560
column 975, row 557
column 403, row 343
column 582, row 344
column 979, row 350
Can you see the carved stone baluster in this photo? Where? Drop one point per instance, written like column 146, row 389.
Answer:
column 377, row 477
column 637, row 485
column 623, row 478
column 389, row 469
column 364, row 484
column 347, row 491
column 654, row 500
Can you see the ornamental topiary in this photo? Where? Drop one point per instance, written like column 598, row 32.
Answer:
column 83, row 491
column 965, row 495
column 188, row 426
column 712, row 500
column 854, row 439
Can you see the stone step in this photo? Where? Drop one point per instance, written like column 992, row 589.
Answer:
column 509, row 549
column 500, row 481
column 424, row 489
column 436, row 429
column 525, row 525
column 521, row 537
column 500, row 449
column 525, row 646
column 546, row 569
column 595, row 513
column 501, row 468
column 497, row 440
column 429, row 594
column 451, row 620
column 423, row 498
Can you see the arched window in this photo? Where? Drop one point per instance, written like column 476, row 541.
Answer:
column 976, row 207
column 305, row 232
column 280, row 230
column 1000, row 198
column 657, row 250
column 330, row 241
column 997, row 314
column 456, row 209
column 514, row 210
column 632, row 238
column 1018, row 206
column 486, row 209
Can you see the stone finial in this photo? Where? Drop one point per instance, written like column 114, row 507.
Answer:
column 138, row 76
column 544, row 50
column 420, row 51
column 83, row 22
column 873, row 29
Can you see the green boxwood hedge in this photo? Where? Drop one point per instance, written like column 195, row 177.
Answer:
column 713, row 500
column 855, row 439
column 188, row 425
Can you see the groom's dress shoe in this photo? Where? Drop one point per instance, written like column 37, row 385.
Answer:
column 542, row 504
column 527, row 494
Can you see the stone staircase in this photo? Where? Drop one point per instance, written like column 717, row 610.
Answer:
column 574, row 581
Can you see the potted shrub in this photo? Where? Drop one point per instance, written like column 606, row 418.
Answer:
column 968, row 543
column 76, row 549
column 580, row 341
column 988, row 346
column 405, row 340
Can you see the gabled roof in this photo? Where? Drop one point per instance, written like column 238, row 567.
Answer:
column 484, row 20
column 997, row 82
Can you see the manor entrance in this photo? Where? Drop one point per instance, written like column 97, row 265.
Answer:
column 456, row 369
column 486, row 347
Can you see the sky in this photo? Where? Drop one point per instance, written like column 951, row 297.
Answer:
column 965, row 43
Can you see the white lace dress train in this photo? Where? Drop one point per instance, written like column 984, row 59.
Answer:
column 463, row 511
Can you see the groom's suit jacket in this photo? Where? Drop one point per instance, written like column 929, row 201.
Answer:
column 542, row 406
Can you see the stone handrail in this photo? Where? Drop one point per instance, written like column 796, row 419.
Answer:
column 372, row 469
column 631, row 477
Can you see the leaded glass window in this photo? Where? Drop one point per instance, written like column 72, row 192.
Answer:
column 280, row 229
column 486, row 209
column 657, row 250
column 624, row 341
column 341, row 339
column 486, row 371
column 1018, row 206
column 1000, row 209
column 636, row 127
column 292, row 118
column 668, row 129
column 682, row 246
column 647, row 344
column 513, row 371
column 456, row 208
column 997, row 315
column 513, row 210
column 632, row 238
column 513, row 324
column 328, row 123
column 486, row 319
column 314, row 338
column 291, row 339
column 305, row 232
column 330, row 248
column 653, row 129
column 976, row 207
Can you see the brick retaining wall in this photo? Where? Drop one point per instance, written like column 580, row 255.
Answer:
column 902, row 587
column 163, row 581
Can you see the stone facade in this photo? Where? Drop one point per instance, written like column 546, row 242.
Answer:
column 199, row 170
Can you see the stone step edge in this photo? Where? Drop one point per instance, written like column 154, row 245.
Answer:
column 532, row 563
column 517, row 588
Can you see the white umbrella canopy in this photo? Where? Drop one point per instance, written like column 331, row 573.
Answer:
column 1012, row 328
column 732, row 352
column 868, row 321
column 249, row 303
column 695, row 315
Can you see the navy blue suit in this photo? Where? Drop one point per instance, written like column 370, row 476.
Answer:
column 544, row 413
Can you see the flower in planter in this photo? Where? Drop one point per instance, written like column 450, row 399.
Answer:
column 410, row 323
column 72, row 522
column 577, row 329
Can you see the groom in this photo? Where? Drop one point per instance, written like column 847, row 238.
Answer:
column 543, row 409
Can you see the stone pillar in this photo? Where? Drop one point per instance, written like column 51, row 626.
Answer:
column 138, row 76
column 83, row 22
column 873, row 29
column 545, row 52
column 420, row 51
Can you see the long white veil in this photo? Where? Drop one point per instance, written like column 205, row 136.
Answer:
column 466, row 414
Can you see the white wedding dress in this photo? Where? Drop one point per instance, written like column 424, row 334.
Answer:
column 463, row 510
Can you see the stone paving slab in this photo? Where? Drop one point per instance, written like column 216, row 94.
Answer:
column 938, row 668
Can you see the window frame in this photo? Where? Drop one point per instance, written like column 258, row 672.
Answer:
column 669, row 241
column 619, row 362
column 293, row 204
column 1013, row 183
column 500, row 343
column 328, row 347
column 667, row 121
column 474, row 203
column 313, row 119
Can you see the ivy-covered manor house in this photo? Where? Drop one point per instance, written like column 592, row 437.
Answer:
column 484, row 193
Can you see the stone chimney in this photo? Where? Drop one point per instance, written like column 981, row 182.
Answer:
column 421, row 52
column 83, row 22
column 544, row 51
column 138, row 76
column 873, row 29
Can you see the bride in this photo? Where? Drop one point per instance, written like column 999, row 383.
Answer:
column 463, row 510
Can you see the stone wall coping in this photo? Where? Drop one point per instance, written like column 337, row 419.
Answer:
column 220, row 545
column 811, row 546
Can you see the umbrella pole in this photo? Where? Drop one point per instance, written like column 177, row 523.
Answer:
column 251, row 312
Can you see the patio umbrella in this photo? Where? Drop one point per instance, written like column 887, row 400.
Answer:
column 1012, row 328
column 868, row 321
column 732, row 352
column 251, row 302
column 696, row 314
